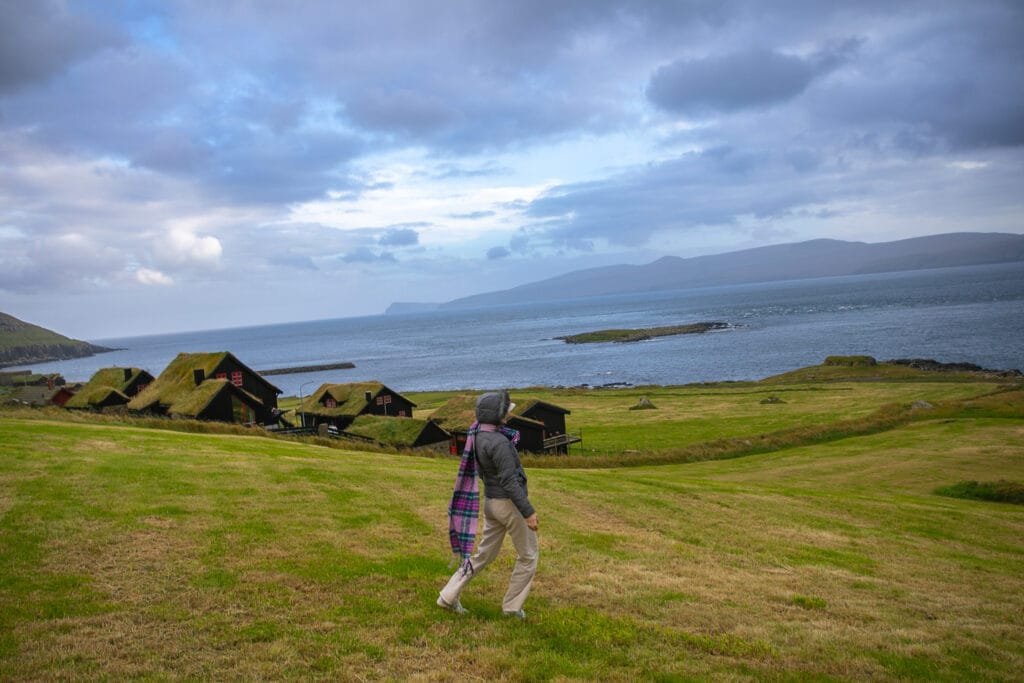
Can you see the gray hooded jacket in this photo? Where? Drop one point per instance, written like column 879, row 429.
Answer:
column 498, row 461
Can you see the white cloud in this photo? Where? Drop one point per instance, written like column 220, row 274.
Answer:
column 147, row 276
column 186, row 247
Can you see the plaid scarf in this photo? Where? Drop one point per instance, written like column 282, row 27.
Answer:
column 464, row 510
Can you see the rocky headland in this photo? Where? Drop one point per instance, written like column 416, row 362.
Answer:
column 23, row 343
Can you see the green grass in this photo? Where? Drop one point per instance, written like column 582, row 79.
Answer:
column 132, row 552
column 695, row 414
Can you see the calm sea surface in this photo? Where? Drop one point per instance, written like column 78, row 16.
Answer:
column 972, row 314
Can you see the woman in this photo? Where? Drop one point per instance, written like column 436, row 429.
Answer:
column 491, row 453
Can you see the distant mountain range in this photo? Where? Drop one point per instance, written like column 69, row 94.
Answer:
column 22, row 343
column 795, row 261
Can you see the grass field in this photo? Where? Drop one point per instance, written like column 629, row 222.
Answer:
column 128, row 552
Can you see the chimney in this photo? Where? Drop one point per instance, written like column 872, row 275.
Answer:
column 199, row 375
column 127, row 374
column 369, row 397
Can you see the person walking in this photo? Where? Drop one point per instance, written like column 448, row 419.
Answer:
column 490, row 452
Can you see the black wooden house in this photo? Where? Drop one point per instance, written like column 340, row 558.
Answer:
column 340, row 404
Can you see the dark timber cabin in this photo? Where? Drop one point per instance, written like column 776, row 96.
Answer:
column 110, row 388
column 556, row 436
column 340, row 404
column 210, row 386
column 459, row 413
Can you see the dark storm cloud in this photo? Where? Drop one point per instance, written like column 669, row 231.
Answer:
column 196, row 108
column 751, row 78
column 495, row 253
column 41, row 38
column 951, row 79
column 714, row 187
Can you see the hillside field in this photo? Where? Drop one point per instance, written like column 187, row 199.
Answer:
column 132, row 552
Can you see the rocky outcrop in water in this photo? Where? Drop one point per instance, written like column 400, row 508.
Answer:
column 936, row 366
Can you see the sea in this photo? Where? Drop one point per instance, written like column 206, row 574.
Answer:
column 966, row 314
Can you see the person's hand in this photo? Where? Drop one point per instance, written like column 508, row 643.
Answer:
column 531, row 521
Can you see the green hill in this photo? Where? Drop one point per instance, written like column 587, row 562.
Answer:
column 22, row 343
column 153, row 554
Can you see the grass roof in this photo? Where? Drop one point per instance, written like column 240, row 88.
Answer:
column 350, row 399
column 177, row 380
column 392, row 431
column 90, row 396
column 457, row 414
column 99, row 386
column 113, row 377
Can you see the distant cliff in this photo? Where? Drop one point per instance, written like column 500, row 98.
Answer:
column 402, row 307
column 22, row 343
column 801, row 260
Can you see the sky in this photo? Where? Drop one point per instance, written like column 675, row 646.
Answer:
column 173, row 166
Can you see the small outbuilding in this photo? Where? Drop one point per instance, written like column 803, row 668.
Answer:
column 41, row 395
column 110, row 387
column 556, row 436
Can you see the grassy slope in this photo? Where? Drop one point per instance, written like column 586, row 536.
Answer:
column 130, row 552
column 18, row 338
column 694, row 414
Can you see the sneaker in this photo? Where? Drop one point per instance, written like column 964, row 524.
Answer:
column 518, row 614
column 457, row 607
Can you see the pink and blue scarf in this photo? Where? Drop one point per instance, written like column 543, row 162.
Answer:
column 464, row 510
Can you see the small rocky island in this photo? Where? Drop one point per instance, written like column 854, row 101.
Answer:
column 641, row 334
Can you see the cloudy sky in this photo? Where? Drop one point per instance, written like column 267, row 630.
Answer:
column 188, row 165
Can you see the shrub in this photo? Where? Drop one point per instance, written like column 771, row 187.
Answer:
column 1002, row 491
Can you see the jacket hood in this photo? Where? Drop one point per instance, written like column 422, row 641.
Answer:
column 492, row 407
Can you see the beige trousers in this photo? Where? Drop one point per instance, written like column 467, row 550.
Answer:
column 501, row 516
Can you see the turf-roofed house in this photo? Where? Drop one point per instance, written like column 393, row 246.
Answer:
column 399, row 432
column 210, row 386
column 338, row 405
column 110, row 388
column 541, row 425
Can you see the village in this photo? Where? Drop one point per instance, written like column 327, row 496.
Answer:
column 219, row 387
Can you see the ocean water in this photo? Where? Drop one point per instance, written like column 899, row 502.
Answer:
column 968, row 314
